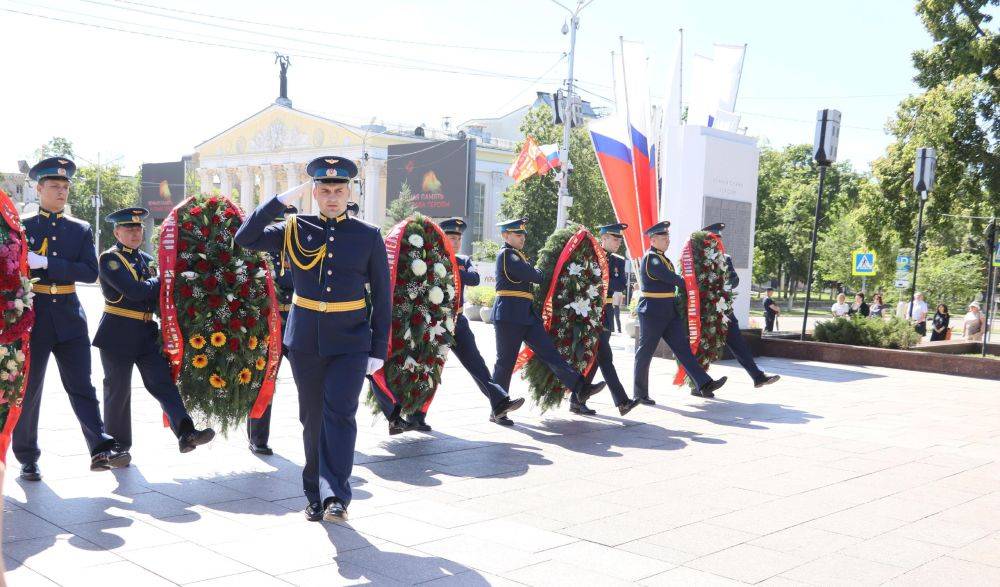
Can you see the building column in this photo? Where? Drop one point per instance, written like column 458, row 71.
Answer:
column 225, row 183
column 293, row 177
column 205, row 179
column 373, row 191
column 246, row 188
column 268, row 186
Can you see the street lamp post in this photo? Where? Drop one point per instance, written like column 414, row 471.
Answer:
column 923, row 181
column 825, row 153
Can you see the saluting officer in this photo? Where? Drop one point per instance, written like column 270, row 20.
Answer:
column 128, row 336
column 61, row 253
column 332, row 343
column 465, row 342
column 516, row 321
column 611, row 241
column 658, row 318
column 259, row 429
column 734, row 338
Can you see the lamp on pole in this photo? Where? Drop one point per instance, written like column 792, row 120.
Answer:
column 825, row 153
column 923, row 182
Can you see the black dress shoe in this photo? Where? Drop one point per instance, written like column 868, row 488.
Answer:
column 398, row 425
column 508, row 405
column 314, row 512
column 195, row 438
column 335, row 511
column 118, row 458
column 418, row 423
column 261, row 449
column 31, row 472
column 645, row 401
column 709, row 388
column 589, row 390
column 700, row 393
column 766, row 380
column 581, row 409
column 626, row 406
column 501, row 420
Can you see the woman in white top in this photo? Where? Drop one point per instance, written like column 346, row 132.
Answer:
column 841, row 308
column 974, row 323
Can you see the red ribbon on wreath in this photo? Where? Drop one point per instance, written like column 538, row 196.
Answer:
column 173, row 338
column 393, row 242
column 581, row 236
column 13, row 220
column 687, row 267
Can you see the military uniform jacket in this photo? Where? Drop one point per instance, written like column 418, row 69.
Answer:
column 282, row 284
column 617, row 279
column 515, row 274
column 657, row 276
column 68, row 243
column 467, row 275
column 130, row 287
column 353, row 254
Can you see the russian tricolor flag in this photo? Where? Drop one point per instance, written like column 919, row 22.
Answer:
column 614, row 156
column 637, row 106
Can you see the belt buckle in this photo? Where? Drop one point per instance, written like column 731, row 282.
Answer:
column 322, row 306
column 53, row 289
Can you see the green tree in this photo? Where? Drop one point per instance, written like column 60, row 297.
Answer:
column 56, row 147
column 947, row 278
column 399, row 209
column 117, row 191
column 535, row 198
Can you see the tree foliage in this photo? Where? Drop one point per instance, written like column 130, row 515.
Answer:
column 56, row 147
column 399, row 209
column 117, row 191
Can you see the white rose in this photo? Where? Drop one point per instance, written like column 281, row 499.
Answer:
column 11, row 364
column 439, row 270
column 20, row 356
column 449, row 324
column 416, row 240
column 3, row 351
column 451, row 291
column 435, row 295
column 418, row 267
column 189, row 275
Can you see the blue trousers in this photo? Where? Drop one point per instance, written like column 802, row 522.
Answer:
column 509, row 338
column 469, row 356
column 651, row 330
column 606, row 363
column 329, row 389
column 73, row 359
column 156, row 377
column 259, row 429
column 740, row 349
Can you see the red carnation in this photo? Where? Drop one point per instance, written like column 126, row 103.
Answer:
column 245, row 290
column 234, row 344
column 181, row 266
column 213, row 200
column 397, row 325
column 413, row 377
column 251, row 322
column 225, row 257
column 230, row 277
column 234, row 306
column 231, row 212
column 211, row 282
column 196, row 210
column 235, row 324
column 188, row 226
column 205, row 231
column 190, row 311
column 200, row 247
column 214, row 301
column 182, row 246
column 202, row 266
column 186, row 291
column 416, row 319
column 217, row 326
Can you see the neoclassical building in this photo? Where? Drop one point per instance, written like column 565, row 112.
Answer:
column 267, row 152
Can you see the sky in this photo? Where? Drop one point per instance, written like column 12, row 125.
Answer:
column 145, row 98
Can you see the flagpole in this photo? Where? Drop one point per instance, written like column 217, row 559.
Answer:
column 564, row 201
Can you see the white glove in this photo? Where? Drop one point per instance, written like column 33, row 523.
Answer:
column 36, row 261
column 292, row 194
column 374, row 365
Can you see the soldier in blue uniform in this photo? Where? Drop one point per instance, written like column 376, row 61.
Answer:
column 516, row 321
column 611, row 241
column 259, row 429
column 62, row 253
column 658, row 318
column 129, row 337
column 734, row 338
column 332, row 342
column 465, row 342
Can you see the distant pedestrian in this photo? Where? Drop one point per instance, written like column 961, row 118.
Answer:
column 841, row 307
column 973, row 323
column 918, row 313
column 941, row 321
column 771, row 310
column 859, row 307
column 877, row 307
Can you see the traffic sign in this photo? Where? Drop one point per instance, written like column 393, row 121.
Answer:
column 902, row 263
column 863, row 263
column 902, row 283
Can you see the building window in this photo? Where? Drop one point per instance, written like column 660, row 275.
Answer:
column 477, row 205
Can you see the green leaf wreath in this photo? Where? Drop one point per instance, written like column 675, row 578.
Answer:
column 715, row 299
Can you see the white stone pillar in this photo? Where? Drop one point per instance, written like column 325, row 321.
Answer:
column 225, row 183
column 205, row 178
column 293, row 177
column 246, row 188
column 373, row 191
column 268, row 187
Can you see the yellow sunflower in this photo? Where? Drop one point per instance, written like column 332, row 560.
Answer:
column 218, row 339
column 252, row 343
column 200, row 361
column 197, row 341
column 261, row 363
column 245, row 376
column 216, row 381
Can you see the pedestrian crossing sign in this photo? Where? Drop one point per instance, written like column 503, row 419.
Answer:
column 863, row 263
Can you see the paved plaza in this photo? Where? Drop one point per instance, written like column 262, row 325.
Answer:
column 836, row 475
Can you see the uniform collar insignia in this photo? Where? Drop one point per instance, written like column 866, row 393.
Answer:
column 46, row 213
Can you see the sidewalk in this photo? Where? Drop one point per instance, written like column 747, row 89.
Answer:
column 835, row 475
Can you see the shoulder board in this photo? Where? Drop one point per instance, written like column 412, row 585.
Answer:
column 29, row 217
column 108, row 251
column 75, row 220
column 617, row 257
